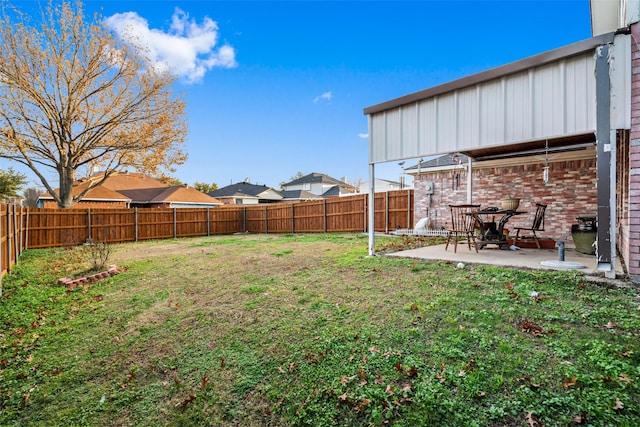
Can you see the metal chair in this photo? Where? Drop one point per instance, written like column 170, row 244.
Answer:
column 538, row 225
column 462, row 225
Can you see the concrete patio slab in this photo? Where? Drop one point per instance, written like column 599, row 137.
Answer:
column 521, row 258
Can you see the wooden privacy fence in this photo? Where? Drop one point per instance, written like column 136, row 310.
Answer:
column 22, row 228
column 13, row 230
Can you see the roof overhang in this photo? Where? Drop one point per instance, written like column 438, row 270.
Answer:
column 494, row 73
column 547, row 100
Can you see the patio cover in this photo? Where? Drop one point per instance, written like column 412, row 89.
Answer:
column 576, row 94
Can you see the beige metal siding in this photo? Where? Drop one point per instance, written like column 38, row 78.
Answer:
column 547, row 101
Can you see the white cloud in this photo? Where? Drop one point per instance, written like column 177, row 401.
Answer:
column 363, row 135
column 324, row 97
column 187, row 49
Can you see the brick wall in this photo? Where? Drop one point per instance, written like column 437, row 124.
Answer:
column 570, row 192
column 633, row 235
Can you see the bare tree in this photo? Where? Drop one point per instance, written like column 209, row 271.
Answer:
column 73, row 96
column 31, row 196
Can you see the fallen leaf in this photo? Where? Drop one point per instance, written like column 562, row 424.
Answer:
column 569, row 382
column 509, row 285
column 343, row 397
column 389, row 389
column 462, row 373
column 362, row 374
column 582, row 418
column 282, row 371
column 343, row 380
column 363, row 403
column 413, row 372
column 187, row 401
column 533, row 421
column 624, row 377
column 611, row 325
column 203, row 384
column 378, row 380
column 619, row 405
column 292, row 366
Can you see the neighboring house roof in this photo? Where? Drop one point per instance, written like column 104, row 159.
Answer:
column 183, row 194
column 333, row 191
column 127, row 181
column 138, row 188
column 315, row 177
column 240, row 189
column 176, row 193
column 438, row 161
column 98, row 193
column 299, row 194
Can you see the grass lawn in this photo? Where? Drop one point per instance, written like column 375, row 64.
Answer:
column 306, row 330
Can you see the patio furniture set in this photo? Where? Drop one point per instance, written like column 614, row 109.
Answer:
column 482, row 227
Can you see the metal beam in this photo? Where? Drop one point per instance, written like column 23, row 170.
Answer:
column 605, row 169
column 372, row 218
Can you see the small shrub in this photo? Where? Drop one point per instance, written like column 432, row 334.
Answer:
column 99, row 254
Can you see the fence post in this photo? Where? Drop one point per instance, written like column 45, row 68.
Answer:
column 324, row 215
column 89, row 238
column 26, row 233
column 20, row 229
column 266, row 220
column 175, row 225
column 8, row 239
column 293, row 219
column 135, row 222
column 409, row 209
column 16, row 238
column 208, row 222
column 364, row 218
column 386, row 212
column 244, row 219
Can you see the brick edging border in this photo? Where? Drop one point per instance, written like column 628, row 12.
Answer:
column 73, row 283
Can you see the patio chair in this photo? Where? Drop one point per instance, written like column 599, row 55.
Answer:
column 462, row 225
column 538, row 225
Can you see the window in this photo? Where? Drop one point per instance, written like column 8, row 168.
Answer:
column 306, row 186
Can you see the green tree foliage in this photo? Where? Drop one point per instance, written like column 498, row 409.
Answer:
column 204, row 187
column 11, row 182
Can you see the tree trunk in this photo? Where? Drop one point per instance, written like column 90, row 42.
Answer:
column 66, row 186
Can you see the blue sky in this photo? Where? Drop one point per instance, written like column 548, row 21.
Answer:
column 273, row 88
